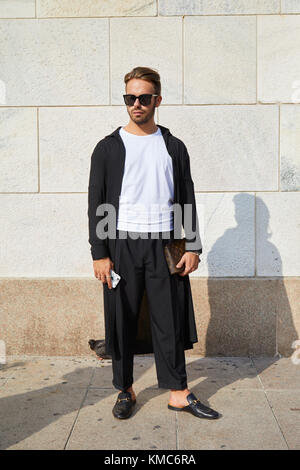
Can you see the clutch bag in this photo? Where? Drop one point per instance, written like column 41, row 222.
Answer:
column 174, row 251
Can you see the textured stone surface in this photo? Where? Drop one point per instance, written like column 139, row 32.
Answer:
column 286, row 407
column 61, row 89
column 278, row 58
column 289, row 148
column 227, row 233
column 57, row 61
column 40, row 401
column 219, row 7
column 53, row 403
column 65, row 153
column 288, row 320
column 218, row 68
column 51, row 316
column 150, row 42
column 17, row 8
column 19, row 158
column 277, row 234
column 27, row 373
column 290, row 6
column 51, row 8
column 54, row 233
column 156, row 430
column 210, row 374
column 257, row 428
column 230, row 147
column 279, row 374
column 235, row 317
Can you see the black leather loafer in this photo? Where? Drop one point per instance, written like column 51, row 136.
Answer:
column 196, row 408
column 123, row 406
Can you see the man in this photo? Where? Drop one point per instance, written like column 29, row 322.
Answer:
column 142, row 171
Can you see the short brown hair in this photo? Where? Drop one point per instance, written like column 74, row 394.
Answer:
column 145, row 73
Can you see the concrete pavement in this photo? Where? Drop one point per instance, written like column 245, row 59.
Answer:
column 66, row 403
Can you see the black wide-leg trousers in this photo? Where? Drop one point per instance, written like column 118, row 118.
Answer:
column 142, row 264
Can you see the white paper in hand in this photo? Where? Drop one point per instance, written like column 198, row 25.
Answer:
column 114, row 278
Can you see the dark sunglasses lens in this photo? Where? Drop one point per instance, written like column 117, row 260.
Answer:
column 143, row 99
column 129, row 100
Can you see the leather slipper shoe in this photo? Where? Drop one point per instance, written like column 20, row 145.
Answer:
column 123, row 406
column 196, row 408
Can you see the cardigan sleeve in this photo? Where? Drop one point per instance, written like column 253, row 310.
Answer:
column 96, row 196
column 190, row 216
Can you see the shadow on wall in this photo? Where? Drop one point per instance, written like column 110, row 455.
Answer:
column 251, row 316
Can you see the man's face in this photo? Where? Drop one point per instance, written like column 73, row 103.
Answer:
column 138, row 87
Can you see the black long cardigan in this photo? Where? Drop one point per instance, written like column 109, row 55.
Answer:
column 105, row 182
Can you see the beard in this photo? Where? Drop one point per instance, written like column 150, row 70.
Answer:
column 143, row 118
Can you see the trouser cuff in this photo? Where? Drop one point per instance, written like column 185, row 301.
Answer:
column 123, row 389
column 173, row 386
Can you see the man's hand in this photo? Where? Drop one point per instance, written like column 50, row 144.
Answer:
column 190, row 260
column 102, row 269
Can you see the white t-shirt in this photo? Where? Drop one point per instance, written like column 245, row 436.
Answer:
column 147, row 192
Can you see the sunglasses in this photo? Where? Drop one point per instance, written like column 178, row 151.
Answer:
column 144, row 100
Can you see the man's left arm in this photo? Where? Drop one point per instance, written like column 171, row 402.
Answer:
column 193, row 245
column 190, row 216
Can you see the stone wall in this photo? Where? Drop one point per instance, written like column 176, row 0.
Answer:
column 230, row 74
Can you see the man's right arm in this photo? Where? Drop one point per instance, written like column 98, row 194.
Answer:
column 96, row 196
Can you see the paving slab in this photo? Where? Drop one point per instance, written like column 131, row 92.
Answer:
column 286, row 408
column 38, row 419
column 31, row 373
column 40, row 400
column 151, row 426
column 218, row 373
column 247, row 423
column 7, row 370
column 278, row 374
column 66, row 403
